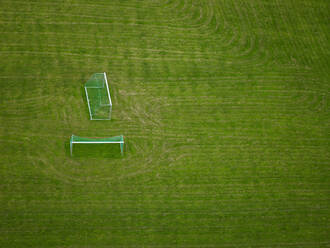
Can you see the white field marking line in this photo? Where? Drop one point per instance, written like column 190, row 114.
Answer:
column 90, row 113
column 106, row 82
column 98, row 142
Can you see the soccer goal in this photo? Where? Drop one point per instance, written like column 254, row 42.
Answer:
column 113, row 140
column 98, row 97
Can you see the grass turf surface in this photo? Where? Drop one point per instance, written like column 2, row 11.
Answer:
column 224, row 108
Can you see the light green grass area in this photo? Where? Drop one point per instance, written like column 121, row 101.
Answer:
column 224, row 105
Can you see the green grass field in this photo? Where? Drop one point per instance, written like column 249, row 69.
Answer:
column 224, row 105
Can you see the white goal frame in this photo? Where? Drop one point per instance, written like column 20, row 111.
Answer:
column 97, row 142
column 109, row 97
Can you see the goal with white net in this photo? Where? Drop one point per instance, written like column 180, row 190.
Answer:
column 113, row 140
column 98, row 97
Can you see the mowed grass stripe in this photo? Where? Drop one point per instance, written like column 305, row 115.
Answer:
column 223, row 108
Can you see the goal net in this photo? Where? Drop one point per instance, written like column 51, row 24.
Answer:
column 112, row 140
column 98, row 97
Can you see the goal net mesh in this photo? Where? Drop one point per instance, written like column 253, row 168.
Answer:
column 112, row 140
column 98, row 97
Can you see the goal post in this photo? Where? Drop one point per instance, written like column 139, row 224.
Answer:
column 98, row 97
column 112, row 140
column 107, row 85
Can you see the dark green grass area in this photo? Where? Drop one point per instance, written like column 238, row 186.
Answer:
column 224, row 106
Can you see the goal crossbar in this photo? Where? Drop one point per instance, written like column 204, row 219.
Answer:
column 96, row 142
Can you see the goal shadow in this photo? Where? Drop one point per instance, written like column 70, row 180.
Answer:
column 94, row 150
